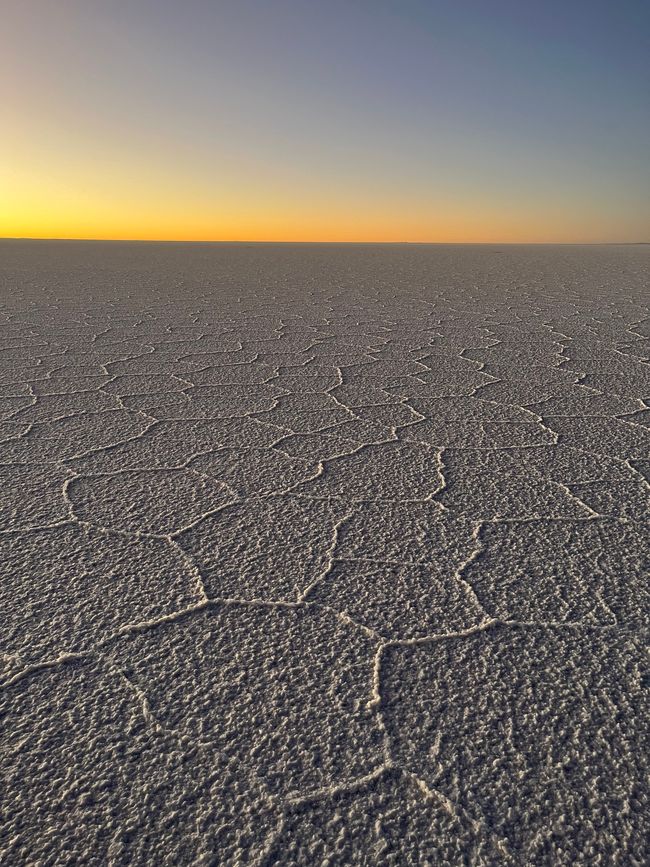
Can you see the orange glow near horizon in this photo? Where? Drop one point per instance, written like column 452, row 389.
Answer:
column 126, row 200
column 48, row 208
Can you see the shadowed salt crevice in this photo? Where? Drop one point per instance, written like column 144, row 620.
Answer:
column 270, row 548
column 308, row 590
column 384, row 818
column 67, row 587
column 403, row 598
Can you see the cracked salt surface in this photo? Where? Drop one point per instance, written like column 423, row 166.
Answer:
column 323, row 555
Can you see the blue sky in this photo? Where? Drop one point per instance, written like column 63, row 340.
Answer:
column 344, row 120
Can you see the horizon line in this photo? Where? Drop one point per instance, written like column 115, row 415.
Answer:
column 343, row 243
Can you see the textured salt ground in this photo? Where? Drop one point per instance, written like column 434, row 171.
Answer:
column 323, row 554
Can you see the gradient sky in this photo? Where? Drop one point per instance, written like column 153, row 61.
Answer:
column 367, row 120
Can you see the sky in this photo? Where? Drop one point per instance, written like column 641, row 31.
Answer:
column 346, row 120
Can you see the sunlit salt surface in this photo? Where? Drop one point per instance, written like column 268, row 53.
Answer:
column 323, row 555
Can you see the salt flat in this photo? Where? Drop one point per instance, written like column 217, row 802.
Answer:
column 323, row 555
